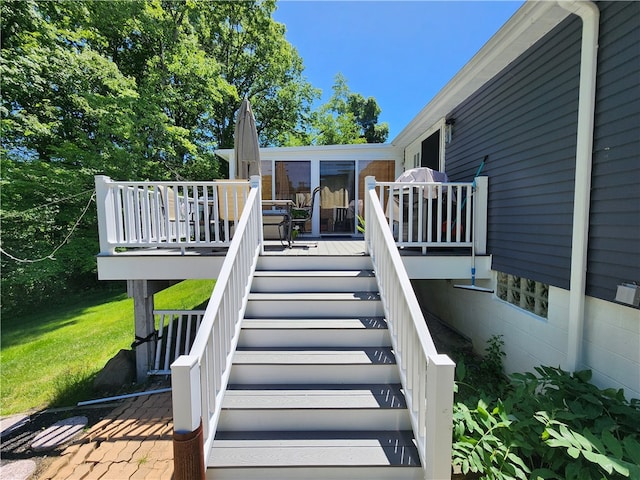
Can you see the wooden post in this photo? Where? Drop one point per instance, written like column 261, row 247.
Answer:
column 144, row 325
column 142, row 292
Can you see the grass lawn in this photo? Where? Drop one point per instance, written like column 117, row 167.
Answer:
column 49, row 358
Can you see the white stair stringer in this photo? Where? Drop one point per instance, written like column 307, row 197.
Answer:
column 314, row 390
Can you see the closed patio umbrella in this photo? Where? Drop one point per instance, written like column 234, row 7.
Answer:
column 246, row 147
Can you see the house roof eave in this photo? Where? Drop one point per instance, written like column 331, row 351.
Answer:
column 529, row 24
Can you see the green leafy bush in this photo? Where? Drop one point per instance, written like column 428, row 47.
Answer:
column 550, row 424
column 484, row 443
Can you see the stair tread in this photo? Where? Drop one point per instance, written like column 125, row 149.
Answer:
column 314, row 356
column 277, row 296
column 315, row 273
column 315, row 397
column 314, row 323
column 272, row 449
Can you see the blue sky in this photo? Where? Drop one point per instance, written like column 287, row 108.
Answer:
column 400, row 52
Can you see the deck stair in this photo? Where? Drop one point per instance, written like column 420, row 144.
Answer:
column 314, row 390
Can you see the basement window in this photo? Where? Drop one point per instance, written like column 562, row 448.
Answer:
column 527, row 294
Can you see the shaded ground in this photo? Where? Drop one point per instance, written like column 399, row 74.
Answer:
column 16, row 443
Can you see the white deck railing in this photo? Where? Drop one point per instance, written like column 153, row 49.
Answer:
column 176, row 333
column 427, row 377
column 167, row 214
column 204, row 214
column 428, row 215
column 199, row 379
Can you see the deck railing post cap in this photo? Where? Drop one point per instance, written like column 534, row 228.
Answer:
column 370, row 181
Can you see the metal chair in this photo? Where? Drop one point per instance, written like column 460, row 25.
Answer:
column 302, row 210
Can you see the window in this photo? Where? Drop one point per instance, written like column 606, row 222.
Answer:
column 524, row 293
column 430, row 155
column 291, row 177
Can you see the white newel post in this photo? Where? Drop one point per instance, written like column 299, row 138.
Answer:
column 106, row 214
column 440, row 378
column 370, row 184
column 255, row 182
column 480, row 212
column 188, row 438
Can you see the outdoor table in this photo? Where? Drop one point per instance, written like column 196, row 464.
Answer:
column 280, row 208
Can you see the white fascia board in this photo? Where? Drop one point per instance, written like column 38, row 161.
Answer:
column 528, row 25
column 363, row 151
column 167, row 266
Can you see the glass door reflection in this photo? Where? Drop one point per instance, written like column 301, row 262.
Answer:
column 337, row 197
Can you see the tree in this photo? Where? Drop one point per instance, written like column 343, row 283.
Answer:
column 348, row 118
column 135, row 90
column 66, row 114
column 257, row 63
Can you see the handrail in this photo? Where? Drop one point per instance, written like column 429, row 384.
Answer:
column 427, row 377
column 167, row 214
column 199, row 379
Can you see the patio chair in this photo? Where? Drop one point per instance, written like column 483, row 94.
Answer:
column 177, row 210
column 231, row 200
column 302, row 210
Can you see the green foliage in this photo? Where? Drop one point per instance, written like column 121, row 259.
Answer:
column 484, row 443
column 594, row 456
column 255, row 62
column 544, row 402
column 484, row 378
column 134, row 90
column 143, row 90
column 492, row 361
column 72, row 386
column 347, row 118
column 547, row 424
column 41, row 206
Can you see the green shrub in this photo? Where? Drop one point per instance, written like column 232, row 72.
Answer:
column 544, row 425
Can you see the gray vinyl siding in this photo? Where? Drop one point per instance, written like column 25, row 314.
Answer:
column 614, row 234
column 525, row 120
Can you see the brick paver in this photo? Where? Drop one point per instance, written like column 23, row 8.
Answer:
column 133, row 442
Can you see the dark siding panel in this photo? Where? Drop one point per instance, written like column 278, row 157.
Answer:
column 525, row 120
column 614, row 234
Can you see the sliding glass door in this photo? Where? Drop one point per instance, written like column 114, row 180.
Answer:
column 341, row 197
column 337, row 197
